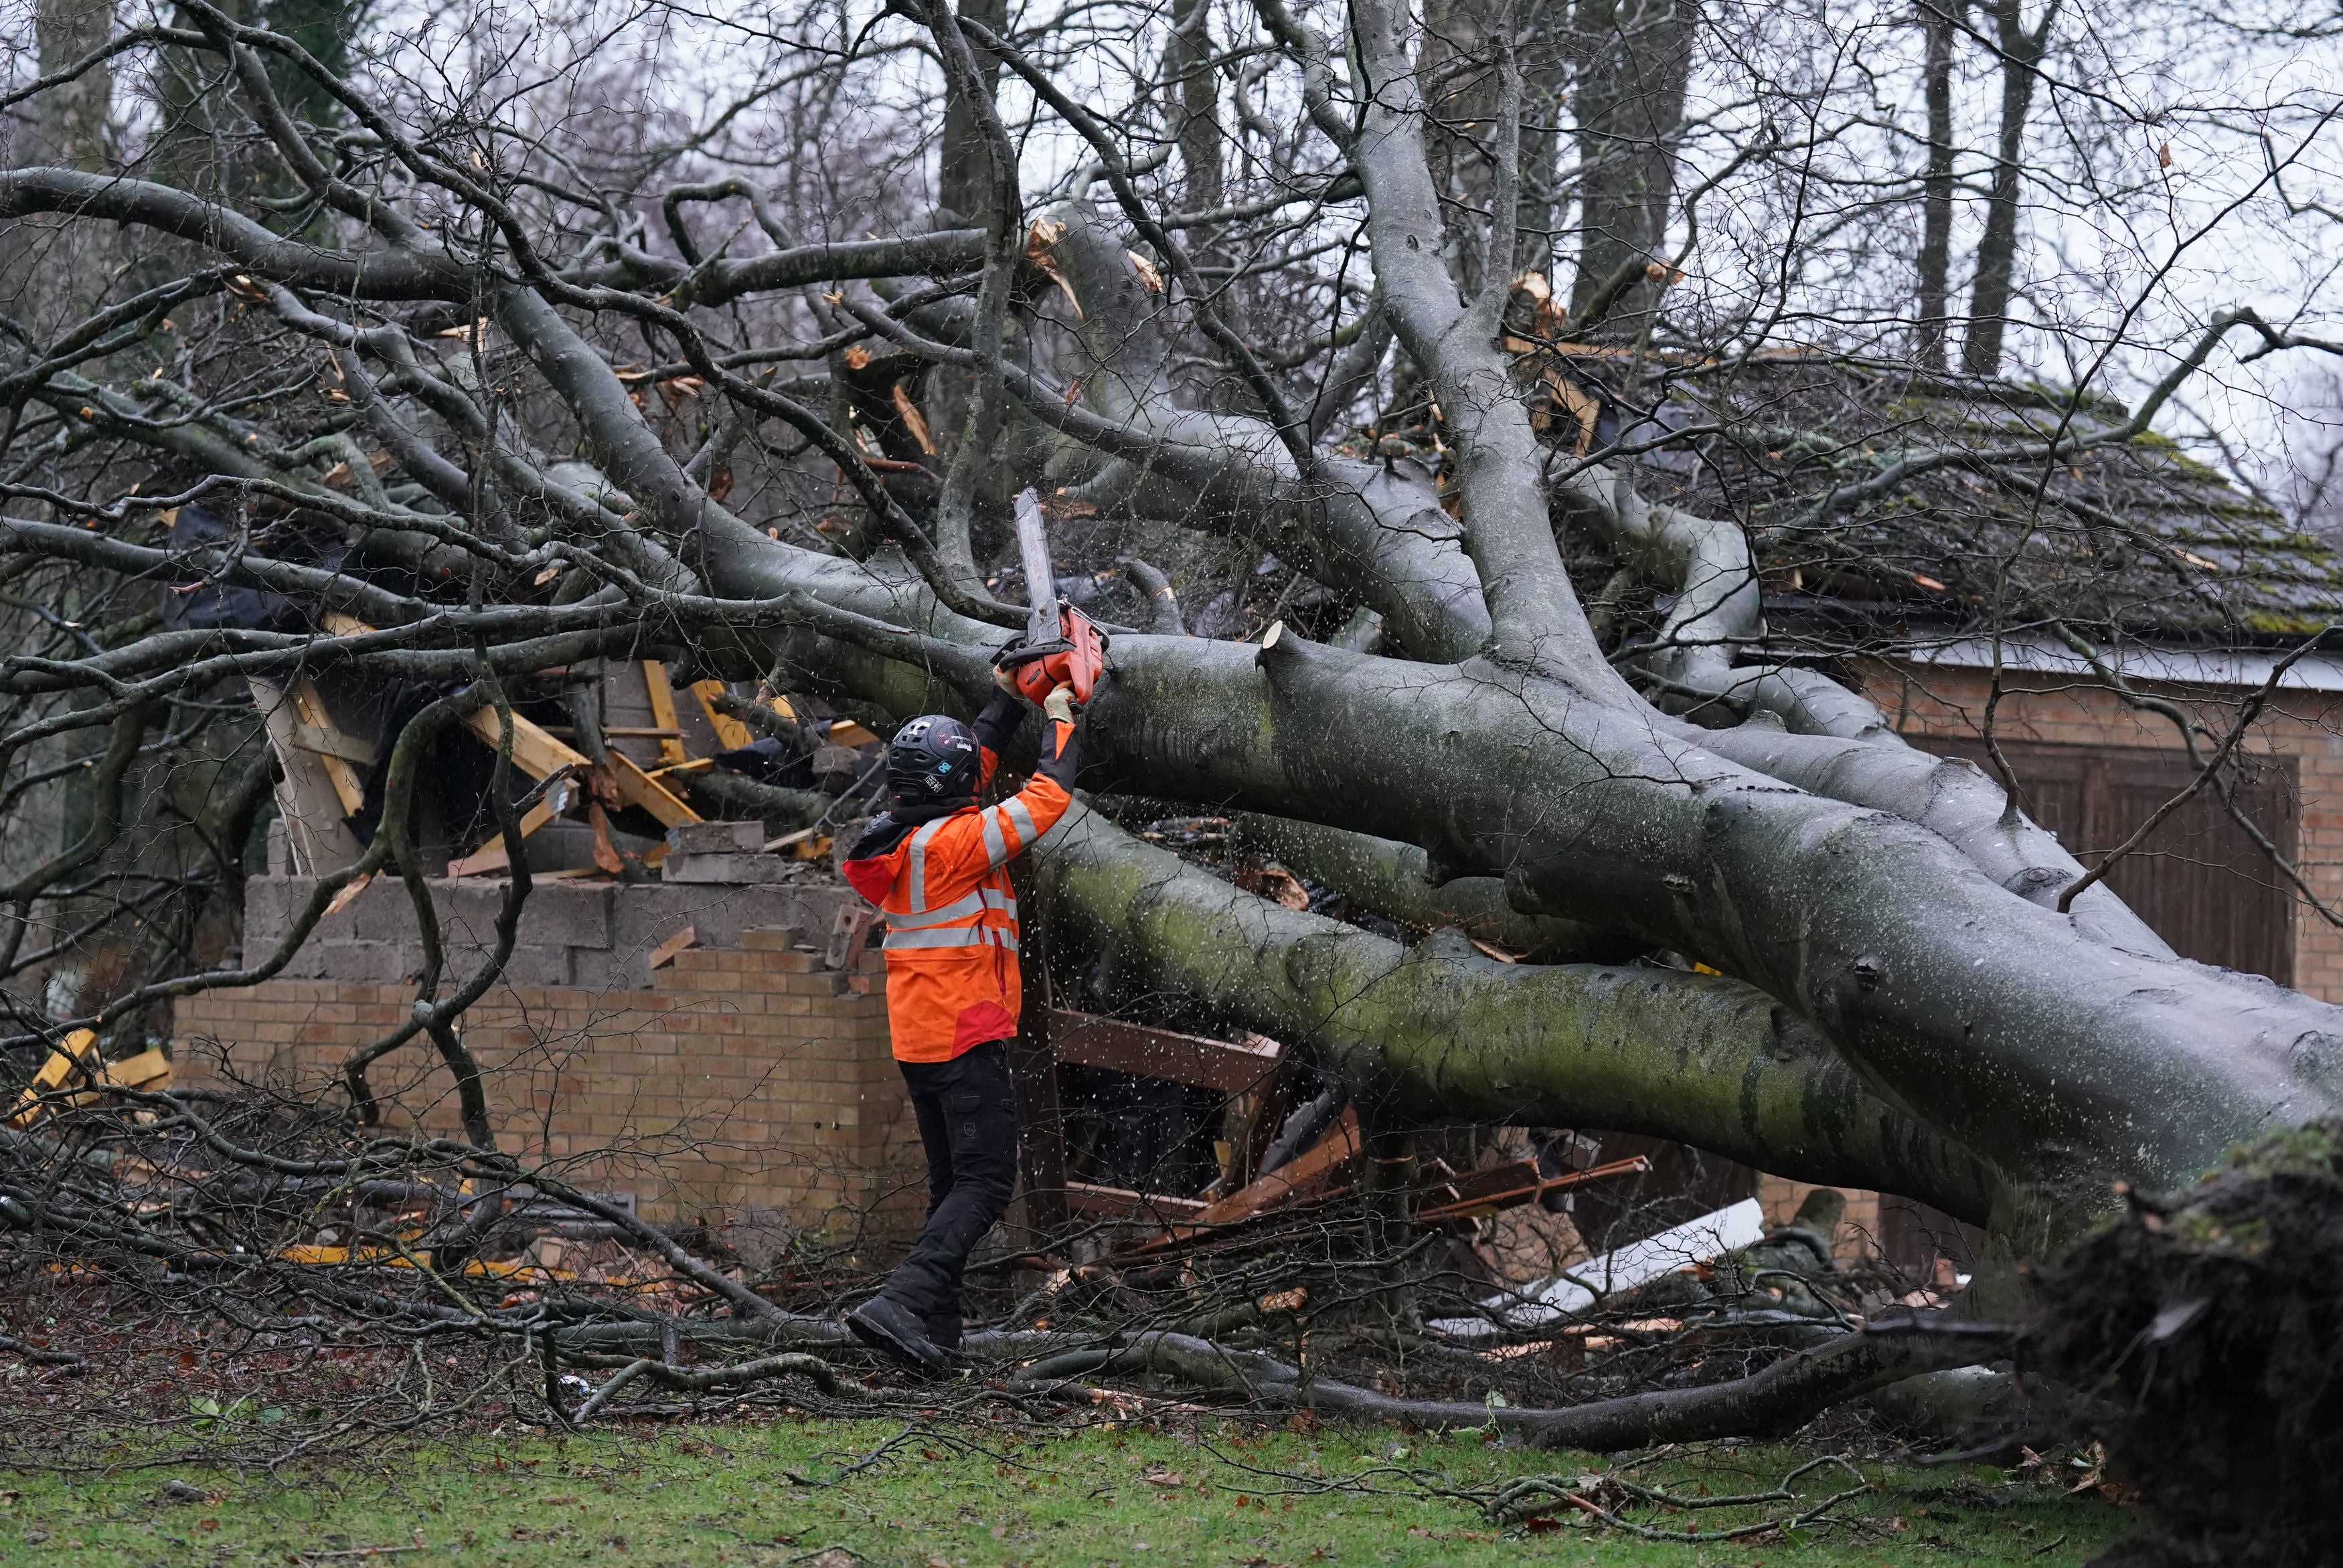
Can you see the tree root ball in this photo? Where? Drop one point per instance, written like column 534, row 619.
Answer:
column 2206, row 1332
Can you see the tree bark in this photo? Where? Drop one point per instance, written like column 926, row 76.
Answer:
column 1997, row 258
column 1635, row 63
column 964, row 166
column 73, row 124
column 1936, row 19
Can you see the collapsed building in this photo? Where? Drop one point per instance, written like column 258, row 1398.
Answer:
column 693, row 1011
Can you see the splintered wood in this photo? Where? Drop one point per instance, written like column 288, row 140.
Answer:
column 663, row 714
column 1481, row 1194
column 664, row 954
column 1313, row 1168
column 319, row 785
column 75, row 1057
column 638, row 788
column 540, row 754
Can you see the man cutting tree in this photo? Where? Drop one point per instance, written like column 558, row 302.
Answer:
column 936, row 864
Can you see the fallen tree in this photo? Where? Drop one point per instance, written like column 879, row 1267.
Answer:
column 1911, row 987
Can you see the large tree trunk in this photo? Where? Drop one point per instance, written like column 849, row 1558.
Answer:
column 1195, row 94
column 1936, row 18
column 1997, row 257
column 73, row 124
column 1462, row 75
column 71, row 127
column 1634, row 63
column 964, row 167
column 1698, row 1058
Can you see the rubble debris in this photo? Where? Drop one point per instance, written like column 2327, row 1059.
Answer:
column 722, row 852
column 1565, row 1295
column 76, row 1050
column 664, row 954
column 1483, row 1192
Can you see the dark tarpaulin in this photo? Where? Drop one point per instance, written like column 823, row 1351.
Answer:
column 195, row 603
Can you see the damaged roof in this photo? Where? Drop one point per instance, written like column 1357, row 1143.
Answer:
column 2134, row 533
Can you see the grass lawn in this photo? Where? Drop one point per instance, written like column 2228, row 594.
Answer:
column 722, row 1494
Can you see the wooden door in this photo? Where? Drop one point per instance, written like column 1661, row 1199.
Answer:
column 2199, row 880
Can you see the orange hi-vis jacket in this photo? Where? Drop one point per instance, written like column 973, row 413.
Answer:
column 952, row 981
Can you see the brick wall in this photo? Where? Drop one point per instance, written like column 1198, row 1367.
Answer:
column 2305, row 725
column 1858, row 1229
column 740, row 1075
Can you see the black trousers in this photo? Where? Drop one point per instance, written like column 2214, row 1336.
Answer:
column 967, row 1108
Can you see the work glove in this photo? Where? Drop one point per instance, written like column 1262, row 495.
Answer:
column 1004, row 676
column 1060, row 705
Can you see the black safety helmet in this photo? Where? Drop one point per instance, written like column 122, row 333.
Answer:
column 932, row 759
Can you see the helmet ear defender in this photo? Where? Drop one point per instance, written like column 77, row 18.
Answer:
column 932, row 759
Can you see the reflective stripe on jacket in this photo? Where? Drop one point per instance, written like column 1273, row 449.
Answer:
column 952, row 979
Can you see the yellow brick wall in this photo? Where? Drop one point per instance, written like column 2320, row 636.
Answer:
column 744, row 1076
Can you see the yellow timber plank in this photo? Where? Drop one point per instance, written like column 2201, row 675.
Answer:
column 730, row 733
column 535, row 752
column 663, row 714
column 637, row 788
column 75, row 1047
column 309, row 714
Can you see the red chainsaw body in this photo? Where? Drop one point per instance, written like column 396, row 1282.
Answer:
column 1075, row 659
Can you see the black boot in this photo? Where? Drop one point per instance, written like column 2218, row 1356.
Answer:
column 885, row 1325
column 944, row 1331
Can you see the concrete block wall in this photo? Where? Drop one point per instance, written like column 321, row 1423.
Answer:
column 594, row 934
column 2305, row 725
column 741, row 1076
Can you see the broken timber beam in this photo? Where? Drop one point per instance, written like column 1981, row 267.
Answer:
column 77, row 1050
column 535, row 750
column 1478, row 1193
column 1087, row 1039
column 663, row 715
column 732, row 735
column 1123, row 1203
column 540, row 754
column 1312, row 1167
column 638, row 788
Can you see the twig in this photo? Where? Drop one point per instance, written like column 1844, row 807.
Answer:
column 39, row 1356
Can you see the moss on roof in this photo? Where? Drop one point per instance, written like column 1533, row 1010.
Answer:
column 2132, row 533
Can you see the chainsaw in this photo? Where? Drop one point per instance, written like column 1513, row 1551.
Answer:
column 1059, row 646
